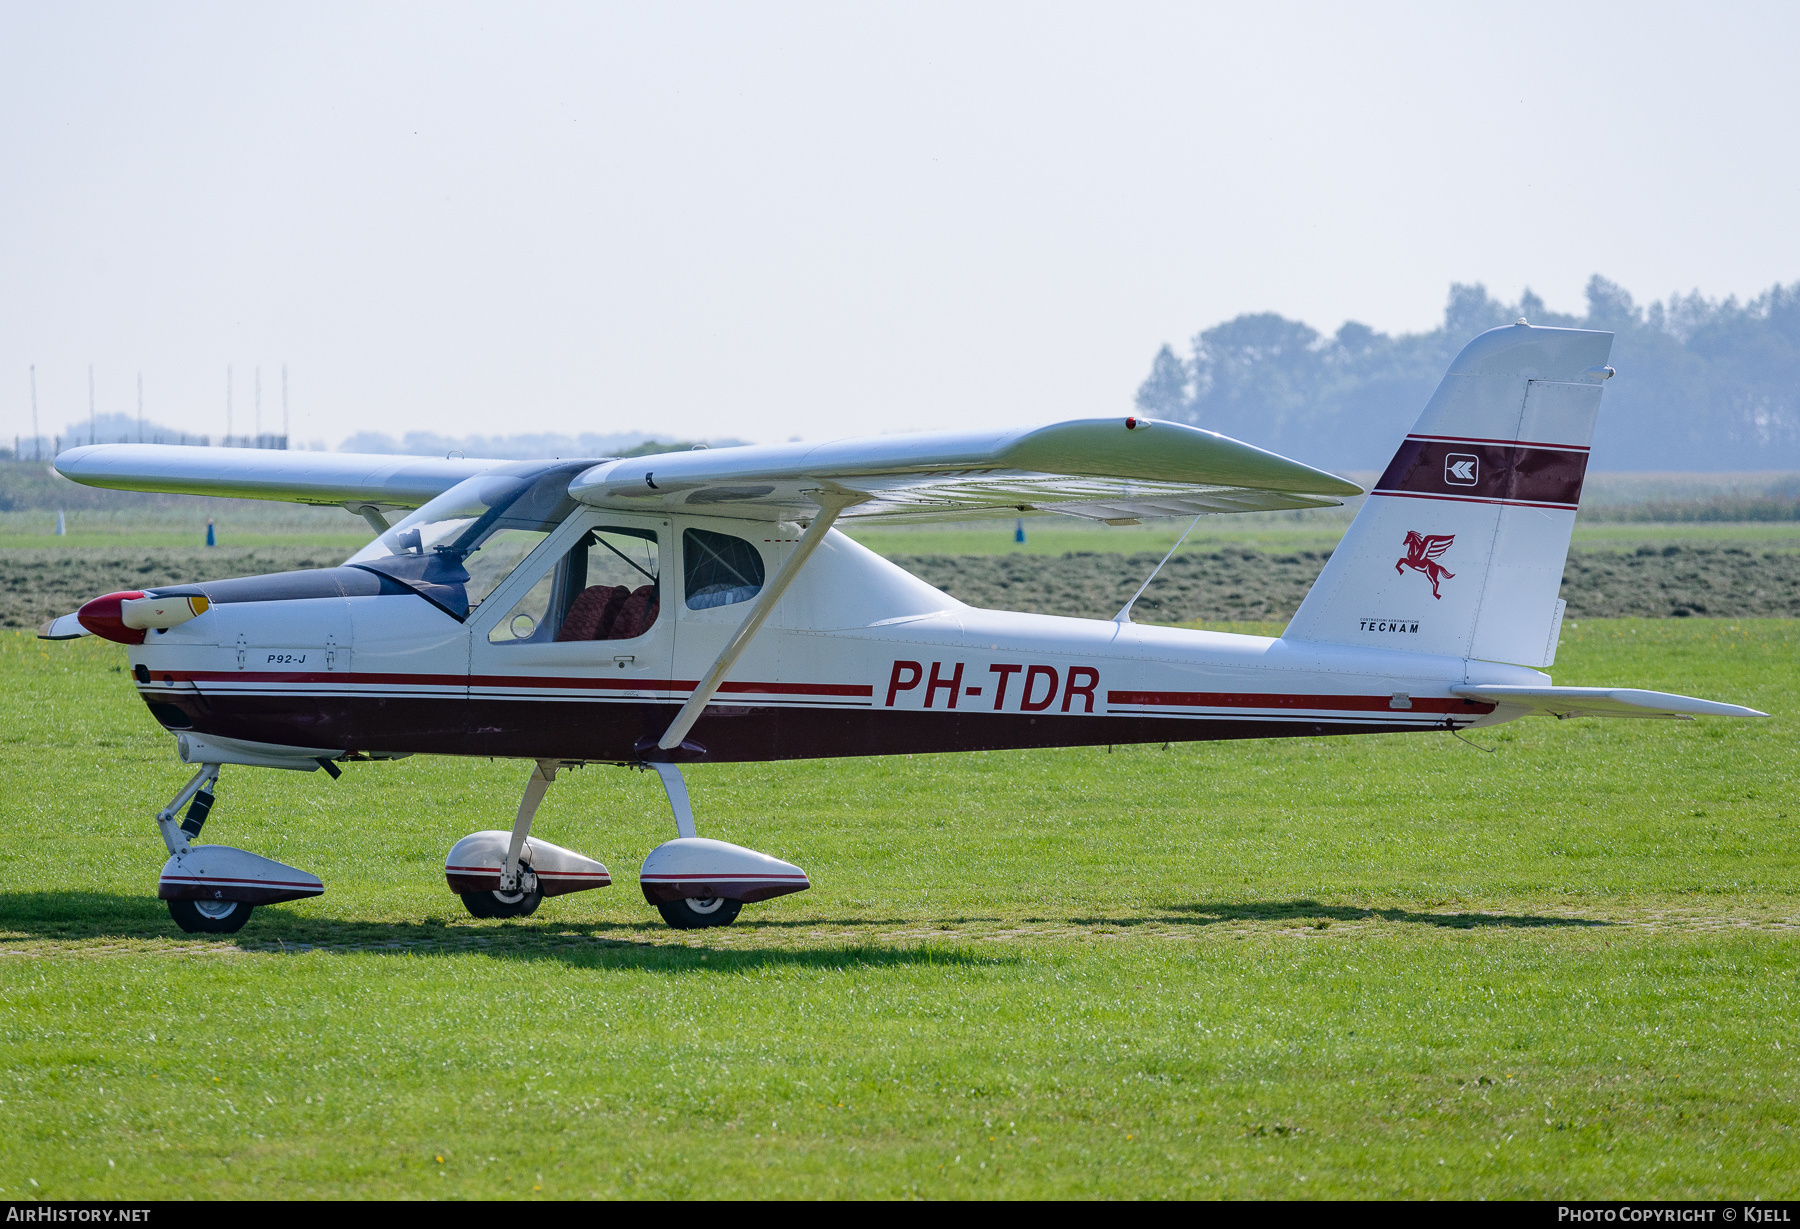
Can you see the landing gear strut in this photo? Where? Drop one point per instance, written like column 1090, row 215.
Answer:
column 212, row 889
column 696, row 883
column 516, row 894
column 504, row 874
column 198, row 917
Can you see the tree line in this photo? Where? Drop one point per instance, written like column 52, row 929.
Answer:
column 1702, row 384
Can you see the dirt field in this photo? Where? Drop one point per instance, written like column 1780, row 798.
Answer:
column 37, row 584
column 1222, row 585
column 1234, row 585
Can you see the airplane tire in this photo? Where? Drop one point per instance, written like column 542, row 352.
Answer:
column 698, row 914
column 210, row 917
column 502, row 904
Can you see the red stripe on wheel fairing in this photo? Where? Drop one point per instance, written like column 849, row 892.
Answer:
column 701, row 875
column 219, row 882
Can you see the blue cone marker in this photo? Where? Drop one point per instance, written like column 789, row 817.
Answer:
column 210, row 539
column 1019, row 530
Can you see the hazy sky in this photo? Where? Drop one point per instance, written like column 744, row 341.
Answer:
column 768, row 220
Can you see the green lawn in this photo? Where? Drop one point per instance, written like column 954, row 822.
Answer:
column 1384, row 966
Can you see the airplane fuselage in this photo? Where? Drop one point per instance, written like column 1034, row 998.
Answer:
column 859, row 658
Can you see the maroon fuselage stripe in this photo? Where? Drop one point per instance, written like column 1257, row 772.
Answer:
column 1359, row 704
column 1484, row 471
column 524, row 726
column 346, row 678
column 1163, row 699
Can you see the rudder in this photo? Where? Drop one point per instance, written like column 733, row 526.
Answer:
column 1460, row 547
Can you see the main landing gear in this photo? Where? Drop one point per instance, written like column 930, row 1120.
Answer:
column 694, row 882
column 505, row 874
column 699, row 912
column 212, row 889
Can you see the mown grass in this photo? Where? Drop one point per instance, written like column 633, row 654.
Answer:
column 1343, row 967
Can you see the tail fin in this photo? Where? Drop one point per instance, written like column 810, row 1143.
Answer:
column 1460, row 546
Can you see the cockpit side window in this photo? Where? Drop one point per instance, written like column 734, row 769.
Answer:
column 718, row 569
column 608, row 587
column 457, row 549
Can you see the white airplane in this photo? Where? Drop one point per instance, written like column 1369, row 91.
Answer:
column 701, row 607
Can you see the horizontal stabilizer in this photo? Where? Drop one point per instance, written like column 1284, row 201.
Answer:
column 1604, row 702
column 1099, row 468
column 323, row 478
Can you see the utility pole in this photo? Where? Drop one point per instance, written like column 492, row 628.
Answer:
column 284, row 407
column 227, row 405
column 93, row 422
column 257, row 420
column 37, row 441
column 140, row 407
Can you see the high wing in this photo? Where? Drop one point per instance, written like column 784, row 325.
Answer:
column 1108, row 469
column 1604, row 702
column 352, row 479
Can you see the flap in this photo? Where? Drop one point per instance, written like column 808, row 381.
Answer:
column 1105, row 469
column 1604, row 702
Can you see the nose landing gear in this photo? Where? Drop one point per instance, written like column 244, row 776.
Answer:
column 210, row 917
column 212, row 889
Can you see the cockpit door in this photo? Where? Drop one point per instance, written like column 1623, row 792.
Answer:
column 570, row 657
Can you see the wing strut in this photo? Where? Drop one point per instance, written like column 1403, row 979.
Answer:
column 831, row 503
column 1124, row 615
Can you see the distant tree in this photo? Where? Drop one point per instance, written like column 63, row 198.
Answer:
column 1165, row 393
column 1702, row 385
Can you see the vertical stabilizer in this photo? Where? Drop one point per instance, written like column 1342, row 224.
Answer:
column 1460, row 546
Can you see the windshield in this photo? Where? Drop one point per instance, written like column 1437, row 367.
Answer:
column 459, row 547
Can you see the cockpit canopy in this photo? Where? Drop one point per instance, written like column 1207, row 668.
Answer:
column 456, row 550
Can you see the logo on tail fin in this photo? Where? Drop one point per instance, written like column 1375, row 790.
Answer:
column 1422, row 551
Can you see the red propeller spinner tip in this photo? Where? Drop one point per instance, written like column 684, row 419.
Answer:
column 105, row 619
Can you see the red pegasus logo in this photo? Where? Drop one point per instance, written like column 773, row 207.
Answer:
column 1422, row 551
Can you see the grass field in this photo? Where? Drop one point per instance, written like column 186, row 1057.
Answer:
column 1386, row 966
